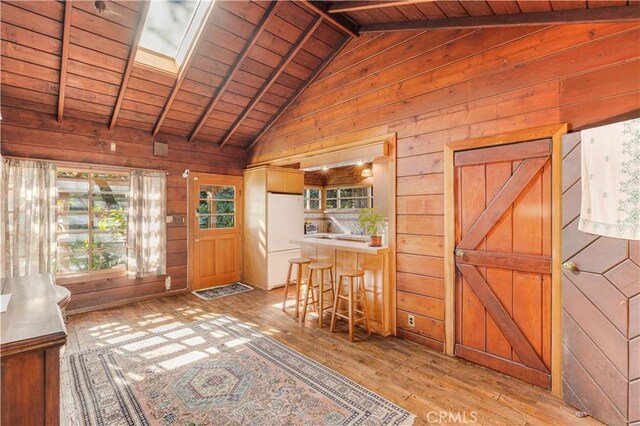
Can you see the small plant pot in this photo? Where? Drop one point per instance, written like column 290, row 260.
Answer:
column 376, row 241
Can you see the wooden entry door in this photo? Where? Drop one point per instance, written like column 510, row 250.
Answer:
column 215, row 230
column 503, row 258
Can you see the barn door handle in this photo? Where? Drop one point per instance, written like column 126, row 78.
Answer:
column 459, row 253
column 570, row 266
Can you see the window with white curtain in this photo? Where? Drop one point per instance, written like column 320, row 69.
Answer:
column 92, row 216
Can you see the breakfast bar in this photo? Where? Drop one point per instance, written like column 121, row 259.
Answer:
column 352, row 252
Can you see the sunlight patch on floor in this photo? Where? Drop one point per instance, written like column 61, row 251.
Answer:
column 163, row 350
column 155, row 340
column 194, row 341
column 179, row 333
column 126, row 337
column 182, row 360
column 103, row 326
column 166, row 327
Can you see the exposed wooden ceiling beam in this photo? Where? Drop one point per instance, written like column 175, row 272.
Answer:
column 142, row 17
column 558, row 17
column 271, row 10
column 338, row 21
column 182, row 72
column 64, row 57
column 306, row 84
column 272, row 79
column 353, row 6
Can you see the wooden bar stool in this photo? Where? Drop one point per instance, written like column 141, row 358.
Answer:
column 319, row 268
column 355, row 293
column 299, row 261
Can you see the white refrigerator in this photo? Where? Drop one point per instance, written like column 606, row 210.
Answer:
column 285, row 222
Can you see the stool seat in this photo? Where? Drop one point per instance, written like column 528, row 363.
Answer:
column 318, row 266
column 300, row 260
column 352, row 273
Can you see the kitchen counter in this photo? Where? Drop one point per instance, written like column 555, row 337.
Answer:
column 339, row 243
column 345, row 252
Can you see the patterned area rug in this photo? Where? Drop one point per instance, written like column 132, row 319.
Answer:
column 222, row 291
column 217, row 372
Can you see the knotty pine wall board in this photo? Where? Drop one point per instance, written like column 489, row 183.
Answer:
column 436, row 87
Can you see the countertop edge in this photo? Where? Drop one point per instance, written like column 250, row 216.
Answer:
column 341, row 245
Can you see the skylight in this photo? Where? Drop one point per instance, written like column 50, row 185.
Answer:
column 171, row 27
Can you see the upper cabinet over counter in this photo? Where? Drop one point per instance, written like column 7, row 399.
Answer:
column 284, row 180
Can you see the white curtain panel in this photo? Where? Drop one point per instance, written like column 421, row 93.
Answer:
column 28, row 191
column 146, row 229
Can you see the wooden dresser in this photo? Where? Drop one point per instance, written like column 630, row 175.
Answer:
column 31, row 337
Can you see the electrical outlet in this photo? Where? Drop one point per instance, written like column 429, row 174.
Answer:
column 113, row 147
column 411, row 320
column 167, row 283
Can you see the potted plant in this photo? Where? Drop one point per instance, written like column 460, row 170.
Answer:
column 372, row 224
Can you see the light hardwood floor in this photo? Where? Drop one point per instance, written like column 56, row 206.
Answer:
column 422, row 381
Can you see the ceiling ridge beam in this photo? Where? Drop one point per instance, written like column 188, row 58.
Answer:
column 353, row 6
column 64, row 57
column 304, row 37
column 133, row 49
column 341, row 22
column 558, row 17
column 234, row 68
column 306, row 84
column 184, row 68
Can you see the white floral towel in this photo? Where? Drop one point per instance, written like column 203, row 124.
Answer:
column 611, row 180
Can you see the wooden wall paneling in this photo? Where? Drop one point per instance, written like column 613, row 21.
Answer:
column 133, row 47
column 338, row 21
column 64, row 58
column 402, row 100
column 228, row 79
column 277, row 72
column 300, row 90
column 31, row 134
column 534, row 17
column 599, row 311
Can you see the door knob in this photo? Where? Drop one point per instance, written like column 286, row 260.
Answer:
column 197, row 240
column 569, row 266
column 459, row 253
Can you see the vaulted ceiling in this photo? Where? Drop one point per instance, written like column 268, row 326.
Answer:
column 251, row 61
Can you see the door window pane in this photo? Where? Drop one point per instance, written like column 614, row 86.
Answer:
column 216, row 207
column 216, row 221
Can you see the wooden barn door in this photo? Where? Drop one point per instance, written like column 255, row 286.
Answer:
column 503, row 258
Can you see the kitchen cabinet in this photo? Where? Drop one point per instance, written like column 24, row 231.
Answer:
column 284, row 181
column 273, row 215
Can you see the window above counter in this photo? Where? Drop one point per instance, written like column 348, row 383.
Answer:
column 353, row 197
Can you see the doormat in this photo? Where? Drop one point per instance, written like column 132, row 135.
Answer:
column 222, row 291
column 217, row 371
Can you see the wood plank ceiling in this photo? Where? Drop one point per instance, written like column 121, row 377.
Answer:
column 250, row 63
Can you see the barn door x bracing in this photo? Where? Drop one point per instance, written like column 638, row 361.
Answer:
column 503, row 258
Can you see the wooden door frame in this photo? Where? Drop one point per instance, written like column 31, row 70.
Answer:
column 191, row 218
column 553, row 132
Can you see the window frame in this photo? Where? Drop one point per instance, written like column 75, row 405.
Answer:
column 307, row 199
column 338, row 198
column 234, row 200
column 72, row 277
column 174, row 64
